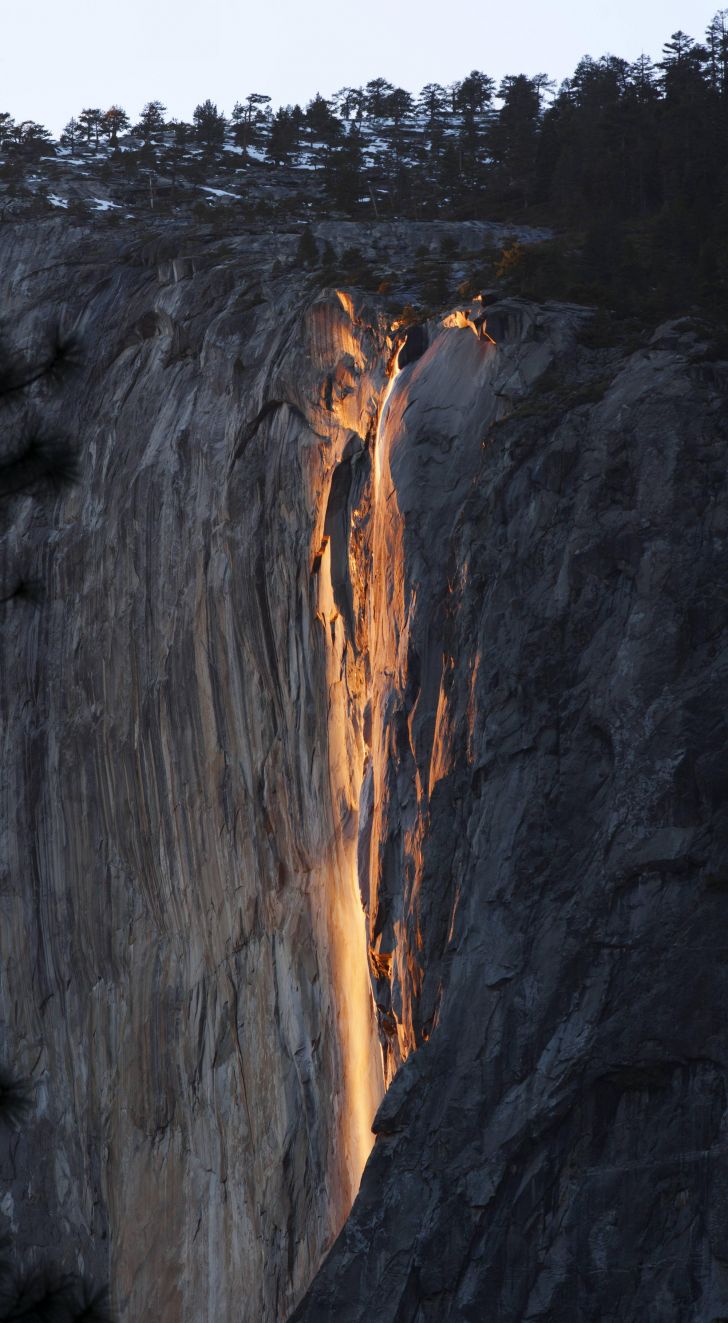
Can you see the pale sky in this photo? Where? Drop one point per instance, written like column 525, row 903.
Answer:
column 57, row 58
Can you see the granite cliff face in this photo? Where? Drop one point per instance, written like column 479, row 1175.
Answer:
column 448, row 641
column 553, row 864
column 184, row 956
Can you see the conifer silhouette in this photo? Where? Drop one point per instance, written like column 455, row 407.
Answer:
column 33, row 459
column 40, row 1294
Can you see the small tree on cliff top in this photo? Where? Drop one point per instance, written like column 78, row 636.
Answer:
column 209, row 124
column 151, row 121
column 114, row 122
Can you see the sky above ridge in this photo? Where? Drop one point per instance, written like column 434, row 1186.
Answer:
column 57, row 58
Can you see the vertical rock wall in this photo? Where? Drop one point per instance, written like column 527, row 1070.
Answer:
column 548, row 860
column 183, row 951
column 479, row 680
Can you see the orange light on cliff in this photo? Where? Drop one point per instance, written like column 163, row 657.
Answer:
column 362, row 1079
column 394, row 370
column 347, row 303
column 475, row 322
column 364, row 1068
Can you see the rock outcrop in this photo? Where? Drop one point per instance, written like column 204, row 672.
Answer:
column 450, row 642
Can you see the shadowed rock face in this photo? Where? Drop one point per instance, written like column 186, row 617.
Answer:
column 551, row 876
column 464, row 660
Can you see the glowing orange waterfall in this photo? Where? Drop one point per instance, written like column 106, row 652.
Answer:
column 362, row 1081
column 362, row 1084
column 367, row 679
column 367, row 553
column 387, row 634
column 380, row 423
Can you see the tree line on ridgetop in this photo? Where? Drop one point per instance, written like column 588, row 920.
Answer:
column 631, row 159
column 628, row 162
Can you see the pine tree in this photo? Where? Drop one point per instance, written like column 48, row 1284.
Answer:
column 34, row 138
column 307, row 251
column 90, row 121
column 282, row 142
column 376, row 92
column 113, row 122
column 513, row 136
column 209, row 124
column 247, row 120
column 151, row 121
column 321, row 122
column 716, row 44
column 433, row 103
column 475, row 93
column 399, row 106
column 544, row 85
column 71, row 134
column 7, row 127
column 344, row 172
column 349, row 102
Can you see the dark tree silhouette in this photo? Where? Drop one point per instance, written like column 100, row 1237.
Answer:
column 474, row 93
column 40, row 1295
column 307, row 251
column 284, row 135
column 151, row 121
column 321, row 122
column 32, row 458
column 377, row 91
column 16, row 1098
column 249, row 119
column 90, row 120
column 71, row 134
column 209, row 124
column 344, row 171
column 349, row 102
column 113, row 122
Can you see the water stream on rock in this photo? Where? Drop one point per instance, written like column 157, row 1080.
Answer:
column 353, row 559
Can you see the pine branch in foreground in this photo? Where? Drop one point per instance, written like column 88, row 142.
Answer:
column 41, row 459
column 31, row 591
column 60, row 358
column 42, row 1296
column 16, row 1096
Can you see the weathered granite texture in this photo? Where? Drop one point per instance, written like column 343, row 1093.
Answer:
column 470, row 662
column 552, row 872
column 184, row 970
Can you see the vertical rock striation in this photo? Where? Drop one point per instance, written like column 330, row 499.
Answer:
column 549, row 854
column 183, row 951
column 458, row 654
